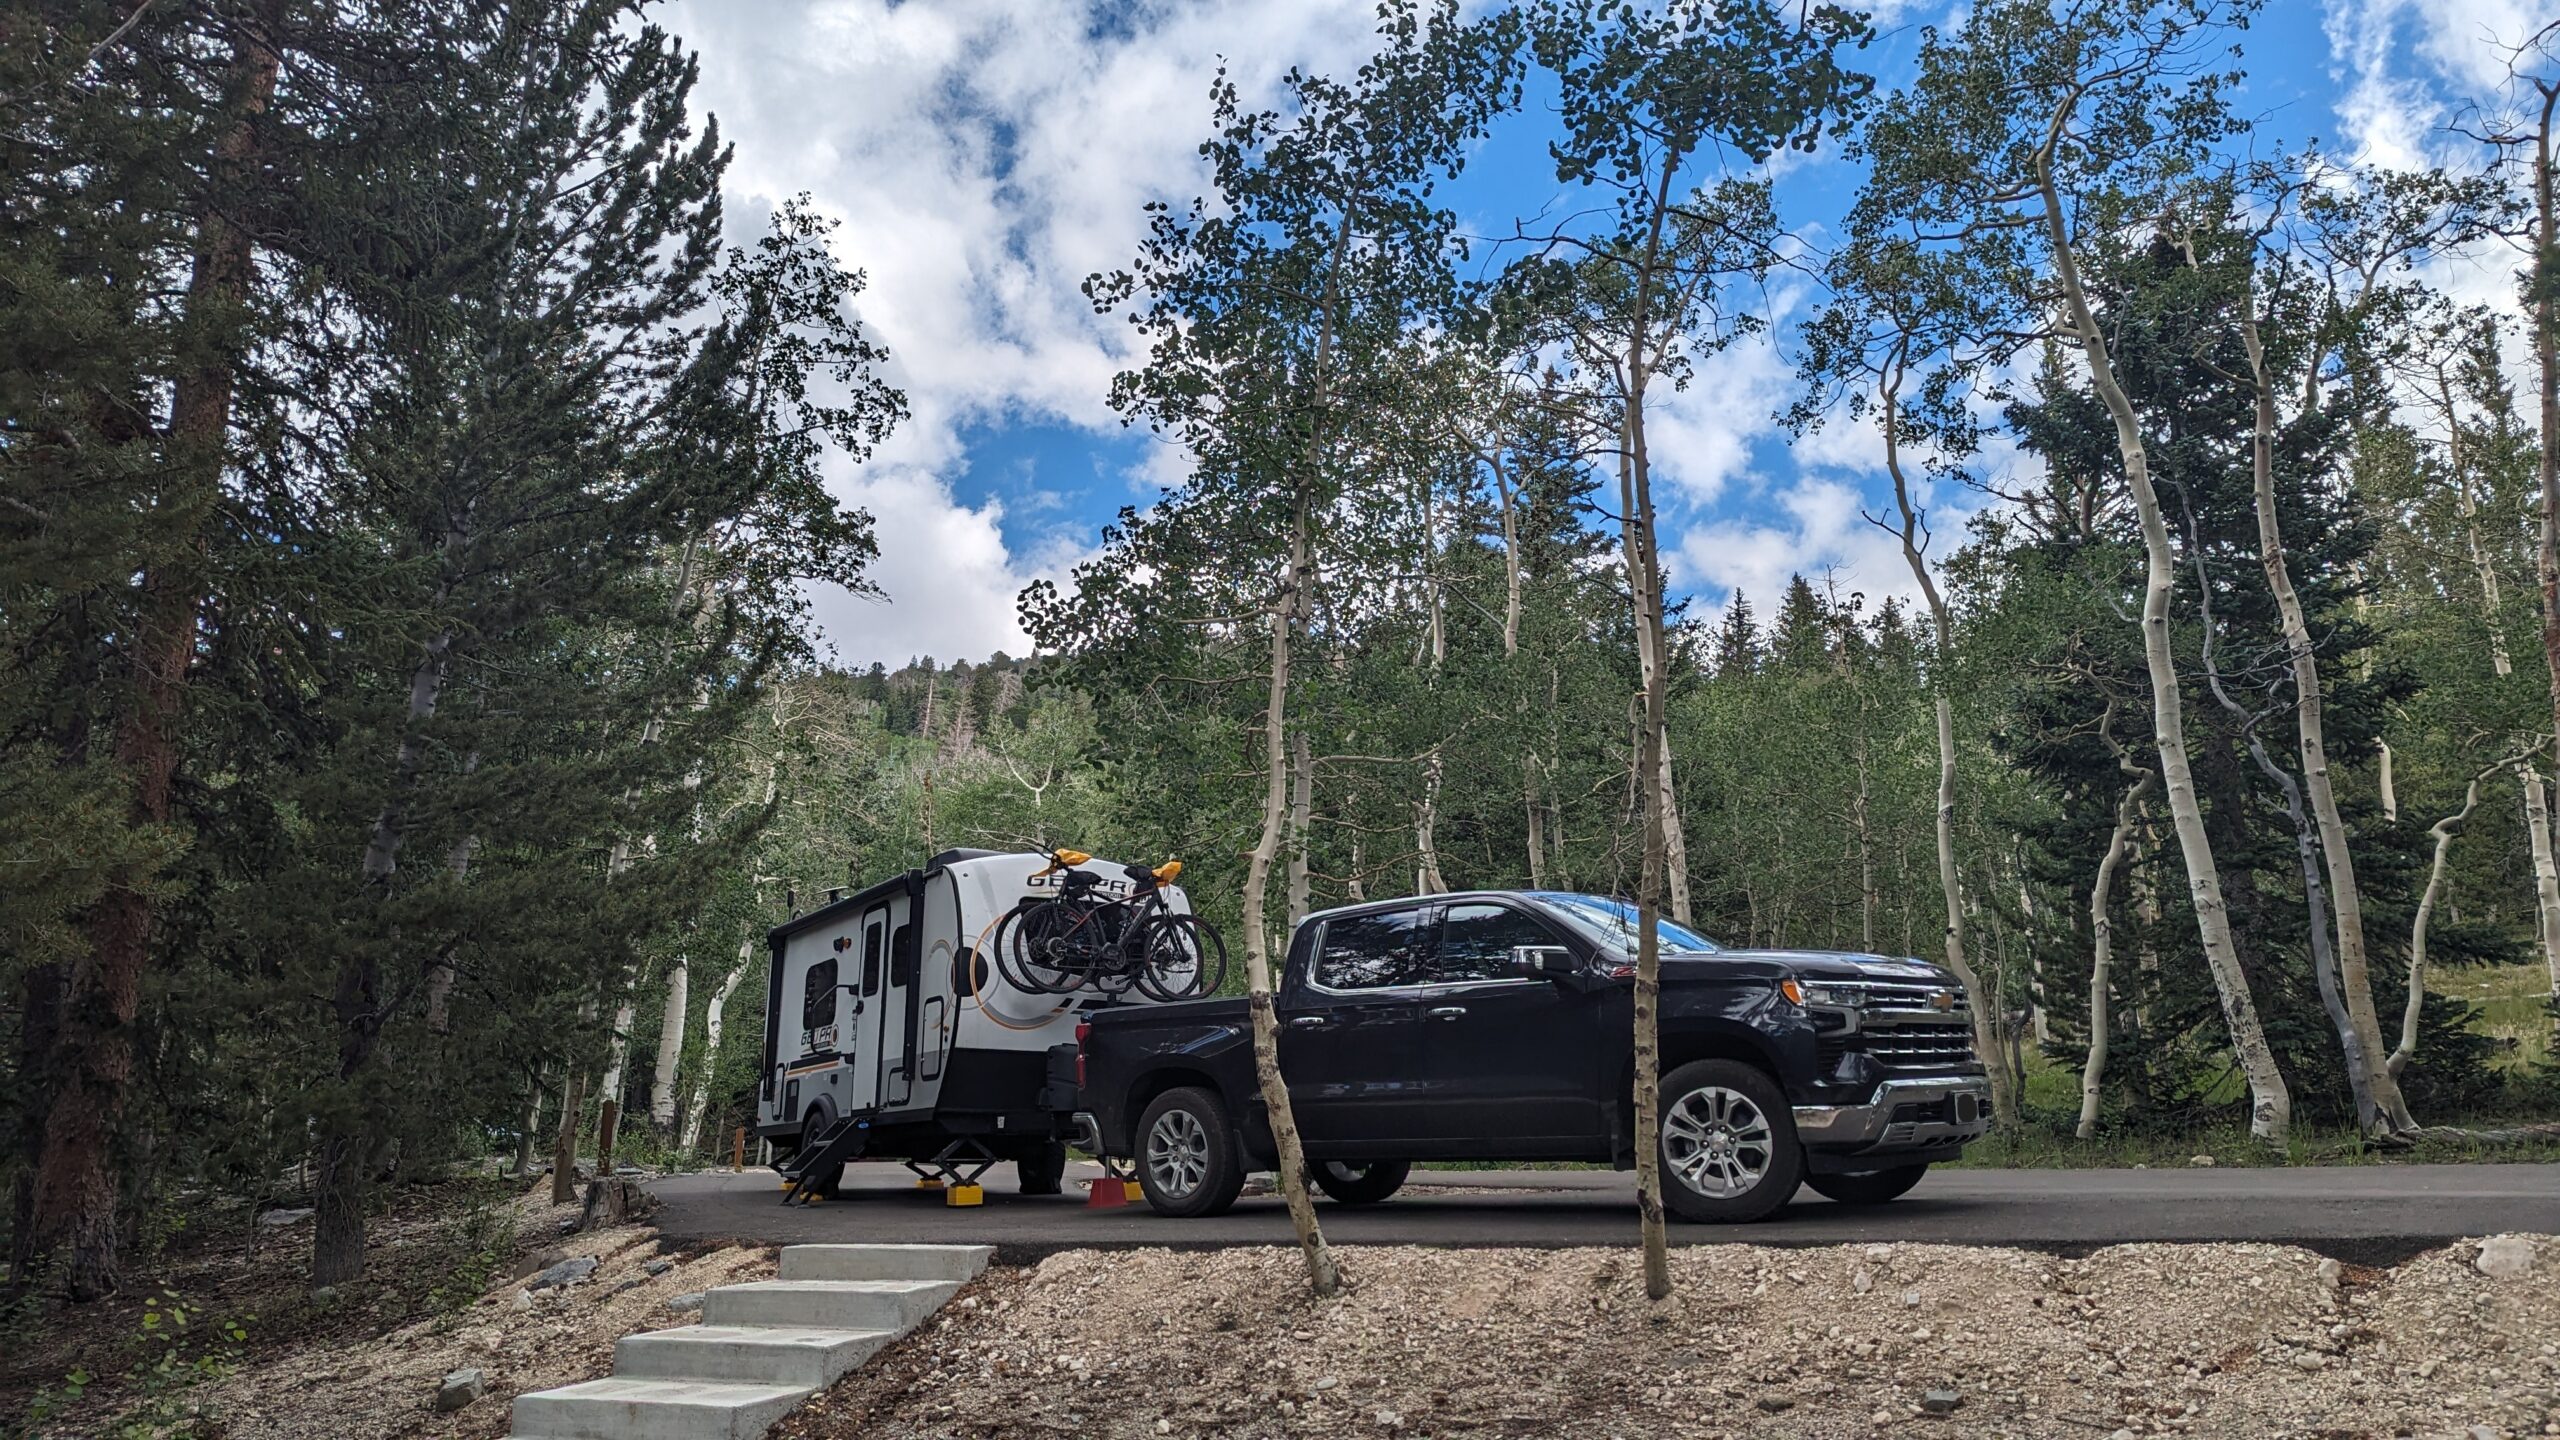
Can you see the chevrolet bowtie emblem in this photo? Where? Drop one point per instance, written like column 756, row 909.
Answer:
column 1942, row 1000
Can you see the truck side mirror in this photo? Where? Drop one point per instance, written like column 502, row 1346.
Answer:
column 1542, row 962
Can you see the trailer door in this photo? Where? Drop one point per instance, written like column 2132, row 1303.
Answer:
column 863, row 1048
column 897, row 1010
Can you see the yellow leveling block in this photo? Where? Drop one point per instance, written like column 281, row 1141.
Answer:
column 928, row 1183
column 964, row 1195
column 1137, row 1192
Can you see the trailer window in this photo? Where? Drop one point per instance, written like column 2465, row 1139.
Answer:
column 818, row 996
column 872, row 938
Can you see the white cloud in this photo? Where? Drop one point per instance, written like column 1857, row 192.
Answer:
column 983, row 156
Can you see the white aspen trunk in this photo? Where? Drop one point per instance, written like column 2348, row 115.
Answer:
column 711, row 1022
column 1652, row 752
column 671, row 1028
column 1355, row 886
column 2492, row 600
column 2545, row 288
column 1987, row 1004
column 2039, row 1014
column 2102, row 933
column 2546, row 872
column 1510, row 564
column 1675, row 844
column 2443, row 832
column 1866, row 850
column 1302, row 799
column 1426, row 815
column 1531, row 822
column 2390, row 1113
column 2270, row 1103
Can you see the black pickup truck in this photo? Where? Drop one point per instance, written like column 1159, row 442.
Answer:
column 1497, row 1026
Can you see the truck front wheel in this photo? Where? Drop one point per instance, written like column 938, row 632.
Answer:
column 1187, row 1160
column 1729, row 1148
column 1360, row 1184
column 1867, row 1187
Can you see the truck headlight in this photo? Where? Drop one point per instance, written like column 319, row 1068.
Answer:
column 1838, row 997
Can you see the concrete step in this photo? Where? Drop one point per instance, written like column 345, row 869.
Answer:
column 898, row 1305
column 630, row 1409
column 770, row 1354
column 885, row 1262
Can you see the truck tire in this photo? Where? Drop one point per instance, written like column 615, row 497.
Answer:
column 1043, row 1173
column 1729, row 1153
column 1187, row 1159
column 1867, row 1187
column 1352, row 1183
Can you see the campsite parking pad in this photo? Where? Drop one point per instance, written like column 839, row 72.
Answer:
column 2363, row 1214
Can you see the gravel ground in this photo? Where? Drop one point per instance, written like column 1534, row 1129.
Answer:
column 1850, row 1341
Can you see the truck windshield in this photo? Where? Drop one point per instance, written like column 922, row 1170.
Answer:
column 1613, row 923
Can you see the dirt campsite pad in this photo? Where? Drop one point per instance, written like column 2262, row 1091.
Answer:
column 2249, row 1341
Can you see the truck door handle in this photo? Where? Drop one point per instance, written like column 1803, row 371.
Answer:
column 1447, row 1012
column 1305, row 1022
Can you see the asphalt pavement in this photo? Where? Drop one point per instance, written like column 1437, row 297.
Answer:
column 2363, row 1214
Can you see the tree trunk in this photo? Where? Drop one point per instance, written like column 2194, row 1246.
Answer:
column 1675, row 844
column 2270, row 1104
column 92, row 1063
column 524, row 1130
column 711, row 1021
column 564, row 1150
column 1302, row 804
column 1510, row 564
column 2388, row 1112
column 2443, row 832
column 671, row 1028
column 1531, row 822
column 1322, row 1273
column 2483, row 567
column 1986, row 1005
column 1426, row 815
column 2546, row 871
column 2545, row 289
column 2102, row 930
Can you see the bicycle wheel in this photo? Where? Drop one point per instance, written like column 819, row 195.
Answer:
column 1024, row 949
column 1182, row 958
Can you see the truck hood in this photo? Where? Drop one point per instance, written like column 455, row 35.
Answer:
column 1825, row 965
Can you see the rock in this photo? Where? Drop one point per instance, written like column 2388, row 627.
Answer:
column 1862, row 1282
column 567, row 1272
column 1941, row 1402
column 2124, row 1434
column 2200, row 1162
column 659, row 1266
column 1910, row 1299
column 2332, row 1275
column 459, row 1389
column 2427, row 1369
column 1775, row 1404
column 276, row 1218
column 634, row 1283
column 537, row 1262
column 1389, row 1420
column 523, row 1300
column 325, row 1295
column 1328, row 1382
column 2310, row 1360
column 2505, row 1257
column 686, row 1303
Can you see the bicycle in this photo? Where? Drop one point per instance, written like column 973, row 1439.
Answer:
column 1077, row 939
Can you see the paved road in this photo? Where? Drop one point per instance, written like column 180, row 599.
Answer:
column 2366, row 1214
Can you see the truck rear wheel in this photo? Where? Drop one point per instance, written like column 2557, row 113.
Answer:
column 1187, row 1160
column 1729, row 1148
column 1868, row 1187
column 1356, row 1183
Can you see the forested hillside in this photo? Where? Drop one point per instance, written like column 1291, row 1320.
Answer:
column 413, row 483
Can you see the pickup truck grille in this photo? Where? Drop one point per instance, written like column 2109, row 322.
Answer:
column 1921, row 1047
column 1907, row 995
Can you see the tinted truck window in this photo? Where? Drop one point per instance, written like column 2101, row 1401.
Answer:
column 1476, row 941
column 1373, row 952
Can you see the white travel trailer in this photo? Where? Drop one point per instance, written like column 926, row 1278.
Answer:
column 890, row 1035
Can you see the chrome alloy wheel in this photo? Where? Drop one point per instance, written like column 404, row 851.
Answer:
column 1717, row 1142
column 1178, row 1153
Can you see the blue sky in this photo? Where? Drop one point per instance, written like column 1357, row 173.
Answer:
column 983, row 156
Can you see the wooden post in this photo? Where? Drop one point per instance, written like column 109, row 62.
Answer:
column 738, row 1152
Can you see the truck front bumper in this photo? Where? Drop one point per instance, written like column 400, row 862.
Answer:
column 1901, row 1115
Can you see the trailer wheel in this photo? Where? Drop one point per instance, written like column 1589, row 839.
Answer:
column 1187, row 1160
column 813, row 1133
column 1043, row 1173
column 1360, row 1182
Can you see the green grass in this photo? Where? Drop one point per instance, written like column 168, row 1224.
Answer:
column 2511, row 1000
